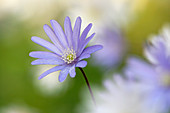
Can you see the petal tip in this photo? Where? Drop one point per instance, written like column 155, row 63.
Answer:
column 60, row 80
column 90, row 24
column 34, row 38
column 79, row 19
column 30, row 54
column 52, row 22
column 72, row 76
column 100, row 47
column 39, row 78
column 67, row 18
column 32, row 63
column 81, row 64
column 45, row 26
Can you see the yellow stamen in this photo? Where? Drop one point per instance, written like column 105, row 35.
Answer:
column 69, row 55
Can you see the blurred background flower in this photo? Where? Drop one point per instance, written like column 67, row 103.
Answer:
column 114, row 48
column 35, row 12
column 134, row 20
column 119, row 96
column 156, row 74
column 105, row 11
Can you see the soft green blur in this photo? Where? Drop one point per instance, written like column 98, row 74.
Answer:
column 149, row 22
column 17, row 74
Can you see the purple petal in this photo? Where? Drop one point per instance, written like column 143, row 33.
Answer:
column 59, row 32
column 53, row 37
column 81, row 64
column 45, row 44
column 72, row 71
column 56, row 68
column 44, row 55
column 161, row 55
column 85, row 43
column 63, row 74
column 76, row 33
column 92, row 49
column 68, row 31
column 85, row 32
column 89, row 50
column 156, row 52
column 47, row 62
column 84, row 56
column 141, row 70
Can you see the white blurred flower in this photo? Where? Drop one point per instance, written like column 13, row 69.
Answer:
column 120, row 96
column 17, row 108
column 102, row 12
column 35, row 11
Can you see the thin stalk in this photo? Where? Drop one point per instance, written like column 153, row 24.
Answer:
column 87, row 82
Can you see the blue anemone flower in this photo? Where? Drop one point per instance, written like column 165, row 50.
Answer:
column 156, row 74
column 68, row 48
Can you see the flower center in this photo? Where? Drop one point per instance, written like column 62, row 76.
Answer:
column 69, row 55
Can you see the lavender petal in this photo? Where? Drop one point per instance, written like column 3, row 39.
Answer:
column 53, row 37
column 143, row 70
column 47, row 62
column 45, row 44
column 59, row 32
column 92, row 49
column 84, row 56
column 85, row 32
column 44, row 55
column 63, row 74
column 89, row 50
column 85, row 43
column 72, row 71
column 56, row 68
column 81, row 64
column 76, row 33
column 68, row 31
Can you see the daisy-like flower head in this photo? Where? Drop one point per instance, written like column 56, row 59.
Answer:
column 158, row 52
column 68, row 48
column 156, row 74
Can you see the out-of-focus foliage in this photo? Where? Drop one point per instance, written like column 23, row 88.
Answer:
column 148, row 22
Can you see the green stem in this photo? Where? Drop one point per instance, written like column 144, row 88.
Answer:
column 87, row 82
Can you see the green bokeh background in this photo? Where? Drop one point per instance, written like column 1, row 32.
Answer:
column 16, row 79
